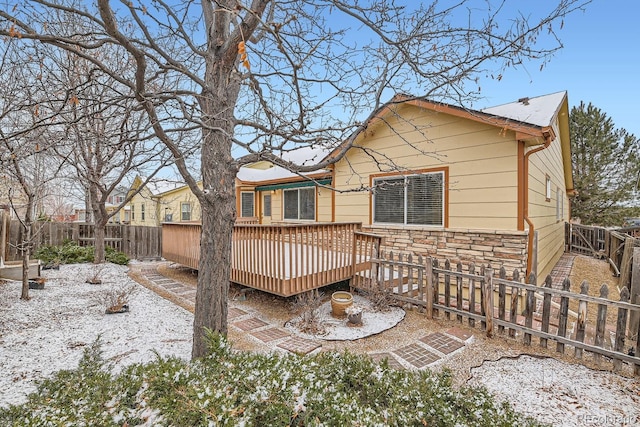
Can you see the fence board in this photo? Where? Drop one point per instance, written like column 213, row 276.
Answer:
column 601, row 321
column 582, row 318
column 136, row 242
column 589, row 337
column 546, row 310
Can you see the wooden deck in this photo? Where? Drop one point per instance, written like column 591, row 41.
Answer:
column 284, row 259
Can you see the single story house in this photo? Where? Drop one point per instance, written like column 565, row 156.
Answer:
column 487, row 186
column 482, row 186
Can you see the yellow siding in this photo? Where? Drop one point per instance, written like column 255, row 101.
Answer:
column 542, row 212
column 144, row 197
column 276, row 206
column 323, row 205
column 170, row 203
column 481, row 162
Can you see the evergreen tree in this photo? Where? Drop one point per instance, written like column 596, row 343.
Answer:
column 606, row 167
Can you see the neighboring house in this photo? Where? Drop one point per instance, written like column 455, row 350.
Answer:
column 161, row 201
column 12, row 197
column 114, row 200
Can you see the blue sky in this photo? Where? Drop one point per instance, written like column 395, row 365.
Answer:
column 600, row 63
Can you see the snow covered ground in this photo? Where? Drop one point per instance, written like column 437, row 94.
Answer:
column 49, row 333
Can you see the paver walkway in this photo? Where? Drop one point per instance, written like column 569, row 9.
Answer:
column 420, row 354
column 424, row 352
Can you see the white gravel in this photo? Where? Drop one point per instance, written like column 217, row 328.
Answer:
column 49, row 332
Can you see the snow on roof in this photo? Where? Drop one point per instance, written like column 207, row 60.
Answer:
column 304, row 156
column 162, row 186
column 538, row 111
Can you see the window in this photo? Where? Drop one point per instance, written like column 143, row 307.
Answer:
column 547, row 193
column 559, row 204
column 246, row 204
column 411, row 199
column 133, row 212
column 266, row 205
column 300, row 203
column 142, row 212
column 185, row 211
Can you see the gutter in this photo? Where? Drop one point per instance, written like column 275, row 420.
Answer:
column 548, row 138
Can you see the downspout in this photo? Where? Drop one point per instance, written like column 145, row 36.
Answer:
column 547, row 143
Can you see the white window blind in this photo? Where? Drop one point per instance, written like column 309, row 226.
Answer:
column 246, row 204
column 412, row 199
column 266, row 208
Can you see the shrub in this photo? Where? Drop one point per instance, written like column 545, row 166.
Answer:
column 70, row 253
column 116, row 257
column 230, row 388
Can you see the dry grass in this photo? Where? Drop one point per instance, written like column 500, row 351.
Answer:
column 596, row 273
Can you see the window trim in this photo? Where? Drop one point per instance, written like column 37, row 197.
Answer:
column 547, row 191
column 264, row 205
column 445, row 195
column 297, row 190
column 253, row 204
column 182, row 211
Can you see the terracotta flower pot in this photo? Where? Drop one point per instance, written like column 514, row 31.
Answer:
column 339, row 302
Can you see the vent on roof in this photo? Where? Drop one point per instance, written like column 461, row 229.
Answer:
column 525, row 100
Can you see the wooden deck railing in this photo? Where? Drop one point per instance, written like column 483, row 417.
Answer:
column 284, row 259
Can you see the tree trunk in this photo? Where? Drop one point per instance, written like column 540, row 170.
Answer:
column 98, row 243
column 218, row 204
column 26, row 248
column 100, row 218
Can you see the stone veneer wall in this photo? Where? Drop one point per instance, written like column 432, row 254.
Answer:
column 498, row 248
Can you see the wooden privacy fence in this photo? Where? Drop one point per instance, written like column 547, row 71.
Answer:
column 615, row 246
column 136, row 241
column 511, row 306
column 282, row 259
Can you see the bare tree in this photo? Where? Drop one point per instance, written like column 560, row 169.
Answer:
column 268, row 75
column 23, row 145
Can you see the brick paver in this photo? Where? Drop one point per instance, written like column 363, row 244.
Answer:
column 163, row 281
column 460, row 333
column 442, row 343
column 170, row 286
column 271, row 334
column 234, row 313
column 391, row 360
column 299, row 345
column 416, row 355
column 250, row 324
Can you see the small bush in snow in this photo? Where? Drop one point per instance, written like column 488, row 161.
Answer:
column 70, row 253
column 230, row 388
